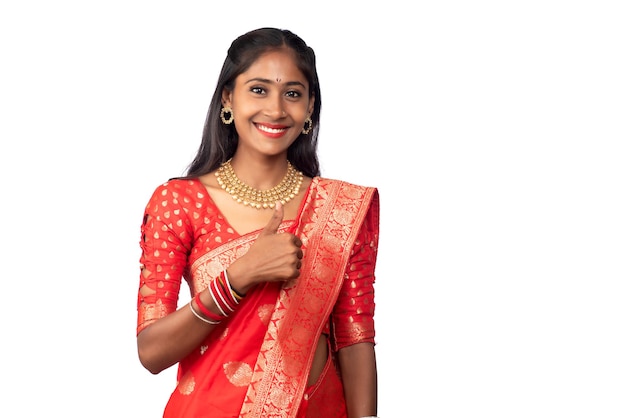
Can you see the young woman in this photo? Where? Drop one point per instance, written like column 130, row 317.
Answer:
column 279, row 260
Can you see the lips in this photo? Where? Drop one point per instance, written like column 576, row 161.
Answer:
column 273, row 131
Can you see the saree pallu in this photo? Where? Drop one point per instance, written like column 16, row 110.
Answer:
column 256, row 362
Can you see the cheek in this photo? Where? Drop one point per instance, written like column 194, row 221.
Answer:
column 242, row 111
column 299, row 113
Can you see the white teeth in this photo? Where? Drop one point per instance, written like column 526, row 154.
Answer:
column 269, row 130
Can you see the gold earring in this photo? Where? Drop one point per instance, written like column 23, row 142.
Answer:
column 223, row 112
column 306, row 129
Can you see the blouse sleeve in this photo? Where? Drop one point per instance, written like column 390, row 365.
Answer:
column 353, row 314
column 165, row 243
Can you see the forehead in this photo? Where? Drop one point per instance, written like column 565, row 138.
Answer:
column 275, row 65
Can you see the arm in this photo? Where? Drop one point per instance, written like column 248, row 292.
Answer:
column 353, row 318
column 166, row 335
column 358, row 373
column 171, row 338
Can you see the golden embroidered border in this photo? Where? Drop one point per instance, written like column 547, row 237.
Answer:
column 329, row 225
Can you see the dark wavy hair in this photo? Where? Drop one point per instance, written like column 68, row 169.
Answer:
column 219, row 141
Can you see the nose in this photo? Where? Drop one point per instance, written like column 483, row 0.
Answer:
column 275, row 107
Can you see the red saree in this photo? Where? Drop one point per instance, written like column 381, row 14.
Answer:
column 256, row 363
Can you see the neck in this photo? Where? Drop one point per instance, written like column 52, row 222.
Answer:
column 261, row 175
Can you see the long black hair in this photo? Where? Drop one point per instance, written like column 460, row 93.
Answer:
column 219, row 141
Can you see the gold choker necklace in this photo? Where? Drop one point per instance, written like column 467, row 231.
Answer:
column 286, row 190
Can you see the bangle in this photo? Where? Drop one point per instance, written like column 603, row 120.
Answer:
column 200, row 317
column 234, row 292
column 224, row 293
column 206, row 311
column 220, row 298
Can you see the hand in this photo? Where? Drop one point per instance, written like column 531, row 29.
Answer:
column 273, row 257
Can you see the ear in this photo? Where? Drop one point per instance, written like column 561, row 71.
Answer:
column 311, row 105
column 227, row 97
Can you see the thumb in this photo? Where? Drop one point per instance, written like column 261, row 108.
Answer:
column 275, row 220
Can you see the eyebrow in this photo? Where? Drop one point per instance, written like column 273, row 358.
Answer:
column 265, row 80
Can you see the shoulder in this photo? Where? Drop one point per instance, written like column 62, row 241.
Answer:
column 347, row 194
column 179, row 192
column 359, row 199
column 344, row 185
column 179, row 186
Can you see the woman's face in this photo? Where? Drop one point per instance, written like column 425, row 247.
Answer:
column 270, row 102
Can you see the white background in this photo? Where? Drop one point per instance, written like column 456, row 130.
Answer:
column 494, row 131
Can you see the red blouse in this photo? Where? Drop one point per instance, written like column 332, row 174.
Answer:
column 181, row 223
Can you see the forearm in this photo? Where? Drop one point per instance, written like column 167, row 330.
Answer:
column 359, row 376
column 170, row 339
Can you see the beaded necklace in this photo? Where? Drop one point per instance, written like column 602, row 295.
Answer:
column 283, row 192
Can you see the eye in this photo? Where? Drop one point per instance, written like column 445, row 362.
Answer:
column 293, row 94
column 257, row 90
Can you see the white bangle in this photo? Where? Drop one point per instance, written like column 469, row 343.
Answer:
column 200, row 317
column 232, row 291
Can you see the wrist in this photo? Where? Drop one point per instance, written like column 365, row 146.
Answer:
column 237, row 294
column 238, row 279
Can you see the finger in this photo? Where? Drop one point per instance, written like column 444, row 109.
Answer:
column 275, row 220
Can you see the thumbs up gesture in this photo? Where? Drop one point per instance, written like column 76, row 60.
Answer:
column 273, row 257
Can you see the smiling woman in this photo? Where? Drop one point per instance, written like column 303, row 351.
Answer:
column 269, row 104
column 280, row 260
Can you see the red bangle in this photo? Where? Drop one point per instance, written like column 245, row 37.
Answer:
column 224, row 287
column 206, row 311
column 221, row 300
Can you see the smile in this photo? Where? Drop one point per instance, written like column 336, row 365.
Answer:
column 272, row 131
